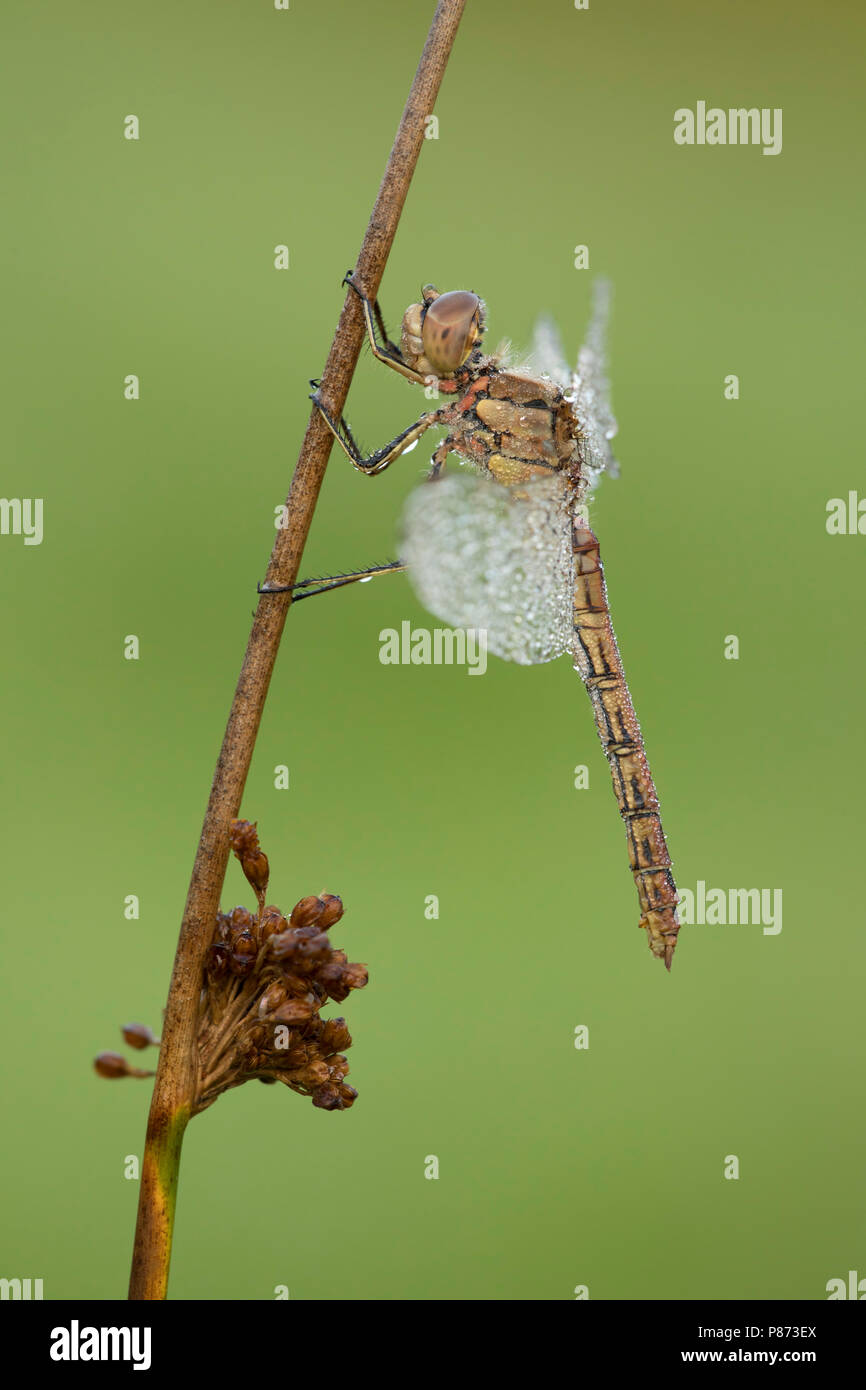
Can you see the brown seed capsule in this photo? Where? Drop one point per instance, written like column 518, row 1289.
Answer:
column 307, row 912
column 333, row 910
column 223, row 926
column 335, row 1036
column 295, row 1010
column 284, row 945
column 257, row 870
column 254, row 862
column 311, row 951
column 218, row 959
column 328, row 1098
column 137, row 1035
column 272, row 923
column 348, row 1095
column 112, row 1066
column 355, row 975
column 339, row 977
column 295, row 984
column 330, row 976
column 272, row 998
column 244, row 952
column 243, row 836
column 338, row 1067
column 240, row 919
column 252, row 1039
column 315, row 1074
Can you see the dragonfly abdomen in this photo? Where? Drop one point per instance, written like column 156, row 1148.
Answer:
column 597, row 659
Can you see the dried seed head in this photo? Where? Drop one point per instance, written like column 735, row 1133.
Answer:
column 266, row 981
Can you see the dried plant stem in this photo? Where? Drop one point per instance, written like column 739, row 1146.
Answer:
column 176, row 1080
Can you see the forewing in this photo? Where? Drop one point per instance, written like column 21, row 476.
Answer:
column 592, row 393
column 496, row 558
column 547, row 355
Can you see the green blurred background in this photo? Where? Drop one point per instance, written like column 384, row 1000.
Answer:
column 558, row 1167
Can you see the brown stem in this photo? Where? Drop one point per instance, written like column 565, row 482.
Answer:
column 177, row 1077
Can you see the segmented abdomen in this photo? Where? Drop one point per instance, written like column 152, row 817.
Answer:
column 597, row 659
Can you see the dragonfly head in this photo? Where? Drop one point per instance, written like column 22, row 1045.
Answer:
column 441, row 332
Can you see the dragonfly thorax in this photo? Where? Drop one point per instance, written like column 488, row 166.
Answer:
column 441, row 332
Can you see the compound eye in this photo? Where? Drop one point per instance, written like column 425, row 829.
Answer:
column 450, row 330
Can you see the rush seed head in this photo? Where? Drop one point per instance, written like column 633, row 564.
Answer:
column 267, row 978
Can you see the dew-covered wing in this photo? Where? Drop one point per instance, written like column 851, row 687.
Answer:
column 547, row 355
column 592, row 393
column 497, row 558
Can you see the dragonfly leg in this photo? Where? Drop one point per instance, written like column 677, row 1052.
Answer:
column 391, row 347
column 382, row 458
column 437, row 463
column 332, row 581
column 597, row 659
column 386, row 352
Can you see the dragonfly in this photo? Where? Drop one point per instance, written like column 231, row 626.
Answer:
column 507, row 547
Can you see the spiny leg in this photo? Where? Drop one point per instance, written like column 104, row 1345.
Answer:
column 382, row 458
column 333, row 581
column 390, row 354
column 597, row 659
column 391, row 346
column 437, row 462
